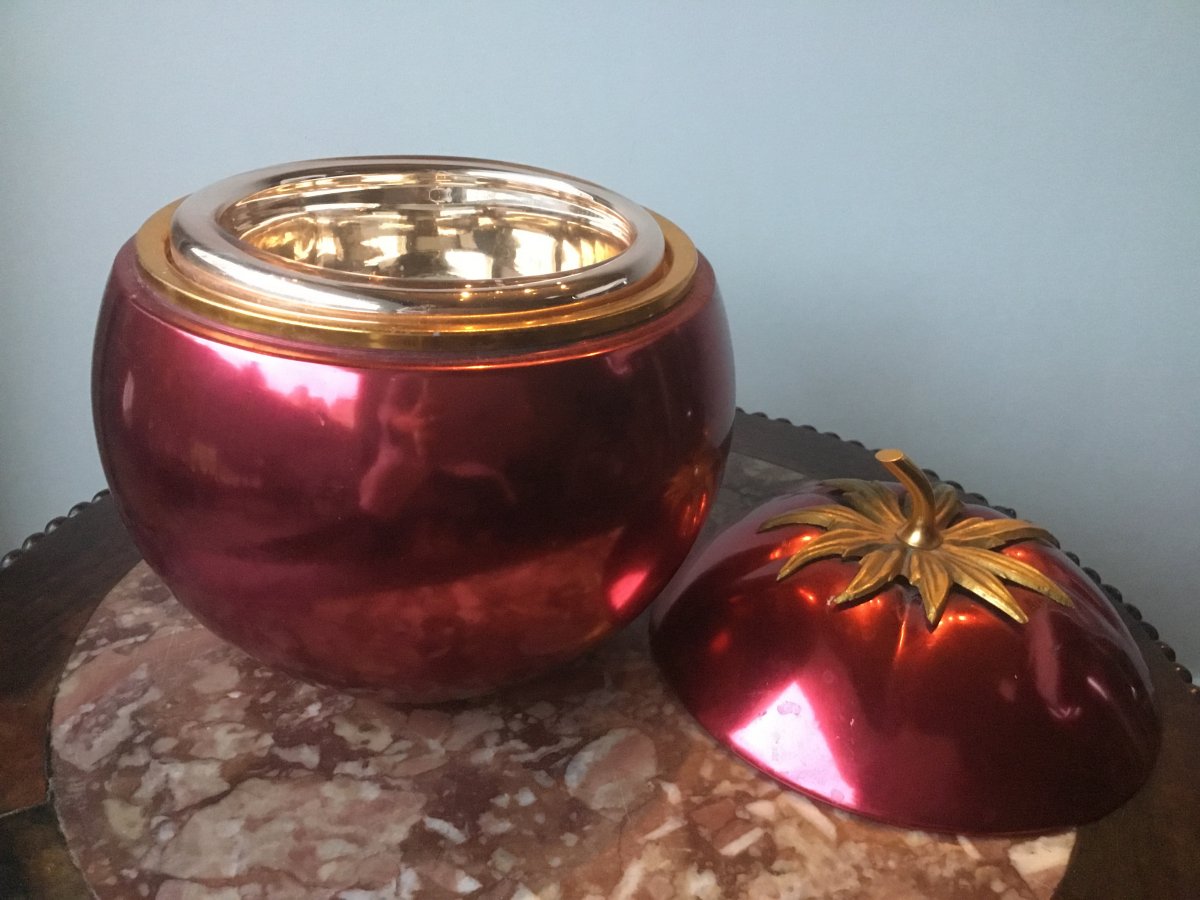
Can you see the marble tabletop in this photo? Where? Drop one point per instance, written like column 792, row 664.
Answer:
column 183, row 770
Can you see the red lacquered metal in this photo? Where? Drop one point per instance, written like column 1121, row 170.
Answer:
column 415, row 525
column 980, row 725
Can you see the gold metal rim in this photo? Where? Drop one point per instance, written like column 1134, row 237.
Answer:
column 649, row 265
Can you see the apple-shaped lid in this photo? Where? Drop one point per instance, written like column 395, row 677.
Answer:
column 911, row 658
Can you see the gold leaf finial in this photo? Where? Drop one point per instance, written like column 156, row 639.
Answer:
column 920, row 544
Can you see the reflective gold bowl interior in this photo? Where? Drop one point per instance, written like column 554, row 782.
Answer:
column 429, row 230
column 406, row 251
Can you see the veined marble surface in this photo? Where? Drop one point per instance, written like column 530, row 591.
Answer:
column 184, row 770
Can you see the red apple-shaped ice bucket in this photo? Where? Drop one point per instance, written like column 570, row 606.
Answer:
column 912, row 658
column 412, row 427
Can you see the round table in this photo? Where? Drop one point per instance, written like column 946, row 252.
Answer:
column 178, row 768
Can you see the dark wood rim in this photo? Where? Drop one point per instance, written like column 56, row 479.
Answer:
column 52, row 526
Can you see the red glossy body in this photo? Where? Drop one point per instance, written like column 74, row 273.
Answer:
column 409, row 524
column 979, row 725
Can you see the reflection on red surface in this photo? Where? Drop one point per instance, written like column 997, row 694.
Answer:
column 793, row 545
column 295, row 381
column 401, row 523
column 786, row 738
column 979, row 725
column 625, row 588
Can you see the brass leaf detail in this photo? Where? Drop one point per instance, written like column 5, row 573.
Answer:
column 932, row 580
column 872, row 525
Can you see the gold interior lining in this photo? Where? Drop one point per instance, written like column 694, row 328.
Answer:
column 239, row 306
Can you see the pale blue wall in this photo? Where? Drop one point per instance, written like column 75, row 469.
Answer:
column 970, row 230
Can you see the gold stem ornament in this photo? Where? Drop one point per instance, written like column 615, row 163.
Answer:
column 919, row 542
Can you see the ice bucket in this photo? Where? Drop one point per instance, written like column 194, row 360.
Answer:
column 412, row 427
